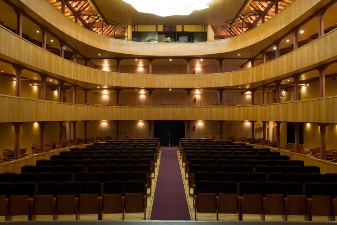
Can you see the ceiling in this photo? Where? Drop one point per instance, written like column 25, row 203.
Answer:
column 218, row 13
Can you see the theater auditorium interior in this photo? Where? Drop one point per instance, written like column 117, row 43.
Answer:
column 168, row 111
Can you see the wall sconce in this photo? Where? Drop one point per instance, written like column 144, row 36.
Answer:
column 140, row 66
column 283, row 93
column 106, row 67
column 248, row 93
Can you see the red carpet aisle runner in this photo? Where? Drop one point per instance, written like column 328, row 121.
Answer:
column 169, row 199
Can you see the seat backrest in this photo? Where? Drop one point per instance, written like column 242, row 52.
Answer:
column 83, row 176
column 249, row 187
column 91, row 187
column 292, row 188
column 8, row 177
column 205, row 186
column 311, row 169
column 239, row 176
column 314, row 177
column 48, row 188
column 271, row 187
column 113, row 187
column 63, row 176
column 134, row 186
column 315, row 188
column 24, row 188
column 276, row 176
column 330, row 177
column 257, row 176
column 228, row 187
column 120, row 175
column 69, row 188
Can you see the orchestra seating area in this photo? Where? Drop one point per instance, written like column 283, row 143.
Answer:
column 114, row 177
column 224, row 179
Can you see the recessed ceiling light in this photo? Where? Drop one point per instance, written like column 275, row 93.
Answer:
column 97, row 86
column 274, row 48
column 170, row 89
column 201, row 60
column 239, row 87
column 136, row 59
column 288, row 79
column 64, row 47
column 135, row 89
column 201, row 89
column 301, row 31
column 287, row 40
column 2, row 71
column 239, row 54
column 51, row 80
column 52, row 40
column 37, row 31
column 99, row 53
column 170, row 59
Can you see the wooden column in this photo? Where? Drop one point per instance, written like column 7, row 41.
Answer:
column 63, row 7
column 151, row 126
column 18, row 71
column 150, row 65
column 61, row 49
column 295, row 39
column 220, row 96
column 253, row 128
column 188, row 91
column 85, row 96
column 296, row 87
column 150, row 96
column 117, row 129
column 117, row 96
column 85, row 124
column 278, row 133
column 60, row 133
column 188, row 66
column 61, row 90
column 297, row 137
column 320, row 20
column 118, row 67
column 322, row 129
column 187, row 129
column 17, row 126
column 44, row 38
column 264, row 95
column 252, row 61
column 278, row 91
column 42, row 135
column 264, row 57
column 277, row 50
column 74, row 95
column 220, row 65
column 75, row 57
column 74, row 130
column 43, row 87
column 252, row 95
column 321, row 71
column 276, row 7
column 264, row 130
column 19, row 18
column 221, row 129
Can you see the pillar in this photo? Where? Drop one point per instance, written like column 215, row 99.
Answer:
column 86, row 62
column 118, row 67
column 221, row 129
column 187, row 129
column 188, row 96
column 278, row 133
column 252, row 95
column 117, row 96
column 19, row 18
column 297, row 137
column 320, row 20
column 150, row 96
column 278, row 91
column 276, row 7
column 74, row 130
column 61, row 49
column 18, row 71
column 151, row 130
column 220, row 96
column 44, row 38
column 85, row 96
column 295, row 39
column 85, row 124
column 264, row 94
column 74, row 95
column 188, row 66
column 17, row 126
column 220, row 65
column 252, row 61
column 75, row 57
column 321, row 71
column 277, row 50
column 322, row 129
column 150, row 65
column 61, row 90
column 264, row 130
column 60, row 133
column 117, row 129
column 264, row 57
column 43, row 87
column 42, row 135
column 296, row 87
column 253, row 128
column 63, row 7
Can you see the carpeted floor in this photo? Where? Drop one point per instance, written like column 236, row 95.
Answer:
column 169, row 199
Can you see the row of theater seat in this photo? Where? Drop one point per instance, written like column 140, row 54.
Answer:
column 266, row 198
column 89, row 197
column 234, row 155
column 236, row 161
column 87, row 168
column 107, row 155
column 88, row 161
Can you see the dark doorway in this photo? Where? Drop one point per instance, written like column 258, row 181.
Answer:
column 169, row 132
column 291, row 133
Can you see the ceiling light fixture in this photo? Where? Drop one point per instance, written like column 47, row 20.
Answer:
column 168, row 7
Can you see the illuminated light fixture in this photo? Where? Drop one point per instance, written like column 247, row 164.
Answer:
column 97, row 86
column 136, row 59
column 37, row 31
column 105, row 67
column 301, row 31
column 288, row 79
column 197, row 66
column 168, row 7
column 274, row 48
column 135, row 89
column 64, row 47
column 99, row 53
column 170, row 89
column 170, row 59
column 287, row 40
column 239, row 54
column 52, row 40
column 201, row 60
column 248, row 92
column 50, row 79
column 2, row 71
column 307, row 84
column 197, row 92
column 103, row 121
column 201, row 89
column 140, row 66
column 105, row 92
column 239, row 87
column 142, row 92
